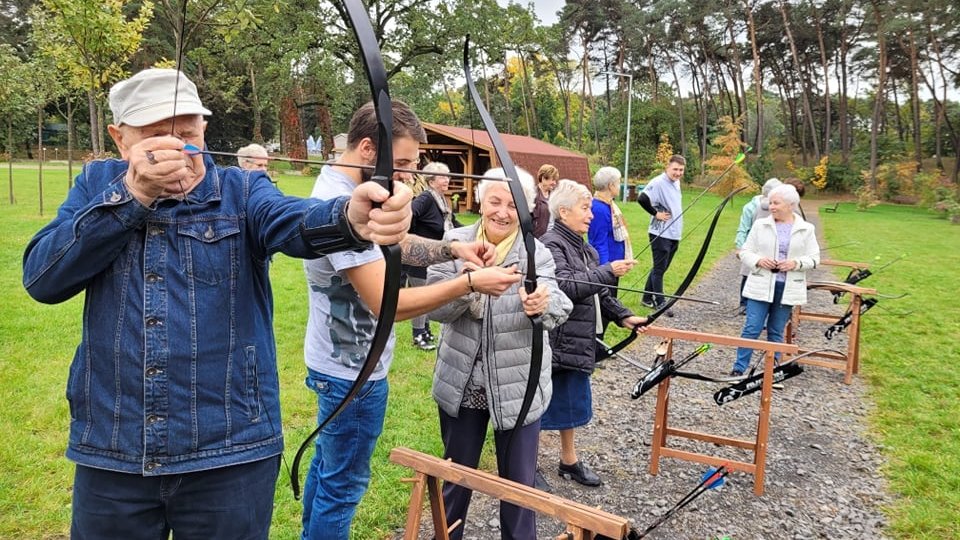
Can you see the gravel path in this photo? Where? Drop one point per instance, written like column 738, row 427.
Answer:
column 822, row 471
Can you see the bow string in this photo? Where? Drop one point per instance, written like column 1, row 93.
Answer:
column 382, row 174
column 526, row 231
column 684, row 285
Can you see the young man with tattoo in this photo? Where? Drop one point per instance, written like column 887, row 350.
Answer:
column 345, row 291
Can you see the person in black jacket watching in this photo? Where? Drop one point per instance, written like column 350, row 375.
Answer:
column 574, row 342
column 432, row 216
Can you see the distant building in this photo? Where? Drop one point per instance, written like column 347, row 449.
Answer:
column 470, row 151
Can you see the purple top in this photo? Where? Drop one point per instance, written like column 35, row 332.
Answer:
column 783, row 245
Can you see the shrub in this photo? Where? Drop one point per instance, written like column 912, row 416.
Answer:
column 950, row 209
column 866, row 198
column 842, row 177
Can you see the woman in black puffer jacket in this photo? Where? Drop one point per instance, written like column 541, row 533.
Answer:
column 574, row 342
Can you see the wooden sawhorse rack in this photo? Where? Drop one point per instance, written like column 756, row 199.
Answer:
column 662, row 429
column 849, row 363
column 583, row 522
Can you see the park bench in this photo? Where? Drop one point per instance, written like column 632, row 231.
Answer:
column 831, row 209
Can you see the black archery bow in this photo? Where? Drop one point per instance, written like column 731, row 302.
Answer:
column 526, row 231
column 383, row 173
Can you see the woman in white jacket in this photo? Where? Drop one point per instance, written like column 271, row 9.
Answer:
column 779, row 250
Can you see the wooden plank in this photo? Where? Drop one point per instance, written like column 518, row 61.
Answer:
column 848, row 264
column 832, row 364
column 823, row 354
column 733, row 465
column 435, row 146
column 573, row 513
column 717, row 339
column 415, row 508
column 838, row 286
column 763, row 423
column 441, row 532
column 820, row 317
column 660, row 424
column 714, row 439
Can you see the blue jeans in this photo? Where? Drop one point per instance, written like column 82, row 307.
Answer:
column 229, row 502
column 772, row 314
column 340, row 470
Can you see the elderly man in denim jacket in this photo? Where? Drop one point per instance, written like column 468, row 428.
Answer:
column 173, row 391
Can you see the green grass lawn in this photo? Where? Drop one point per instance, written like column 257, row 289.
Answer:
column 910, row 359
column 906, row 359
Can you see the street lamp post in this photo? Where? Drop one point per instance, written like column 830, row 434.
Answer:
column 626, row 157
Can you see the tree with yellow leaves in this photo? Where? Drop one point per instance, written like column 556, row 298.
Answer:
column 664, row 151
column 728, row 145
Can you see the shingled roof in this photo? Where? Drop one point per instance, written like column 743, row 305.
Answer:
column 527, row 152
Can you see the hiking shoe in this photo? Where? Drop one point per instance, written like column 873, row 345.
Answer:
column 541, row 483
column 648, row 303
column 422, row 343
column 579, row 473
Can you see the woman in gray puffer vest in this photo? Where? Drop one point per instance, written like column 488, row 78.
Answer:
column 574, row 342
column 483, row 360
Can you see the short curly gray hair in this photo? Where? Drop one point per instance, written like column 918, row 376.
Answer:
column 567, row 194
column 250, row 152
column 605, row 178
column 437, row 168
column 788, row 193
column 526, row 182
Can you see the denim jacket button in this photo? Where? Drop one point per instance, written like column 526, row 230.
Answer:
column 208, row 234
column 152, row 372
column 151, row 466
column 153, row 419
column 152, row 278
column 154, row 231
column 115, row 197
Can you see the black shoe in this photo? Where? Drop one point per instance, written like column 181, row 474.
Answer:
column 648, row 303
column 579, row 473
column 742, row 311
column 736, row 373
column 541, row 483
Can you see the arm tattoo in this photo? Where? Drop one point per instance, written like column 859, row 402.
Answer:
column 419, row 251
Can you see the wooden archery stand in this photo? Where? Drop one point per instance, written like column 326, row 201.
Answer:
column 583, row 522
column 848, row 264
column 849, row 363
column 662, row 429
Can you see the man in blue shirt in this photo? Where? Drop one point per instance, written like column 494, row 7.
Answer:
column 173, row 390
column 662, row 199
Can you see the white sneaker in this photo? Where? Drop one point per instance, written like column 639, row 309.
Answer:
column 422, row 343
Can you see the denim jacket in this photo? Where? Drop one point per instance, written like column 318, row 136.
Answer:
column 176, row 369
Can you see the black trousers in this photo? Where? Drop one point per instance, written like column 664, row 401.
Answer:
column 463, row 439
column 663, row 250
